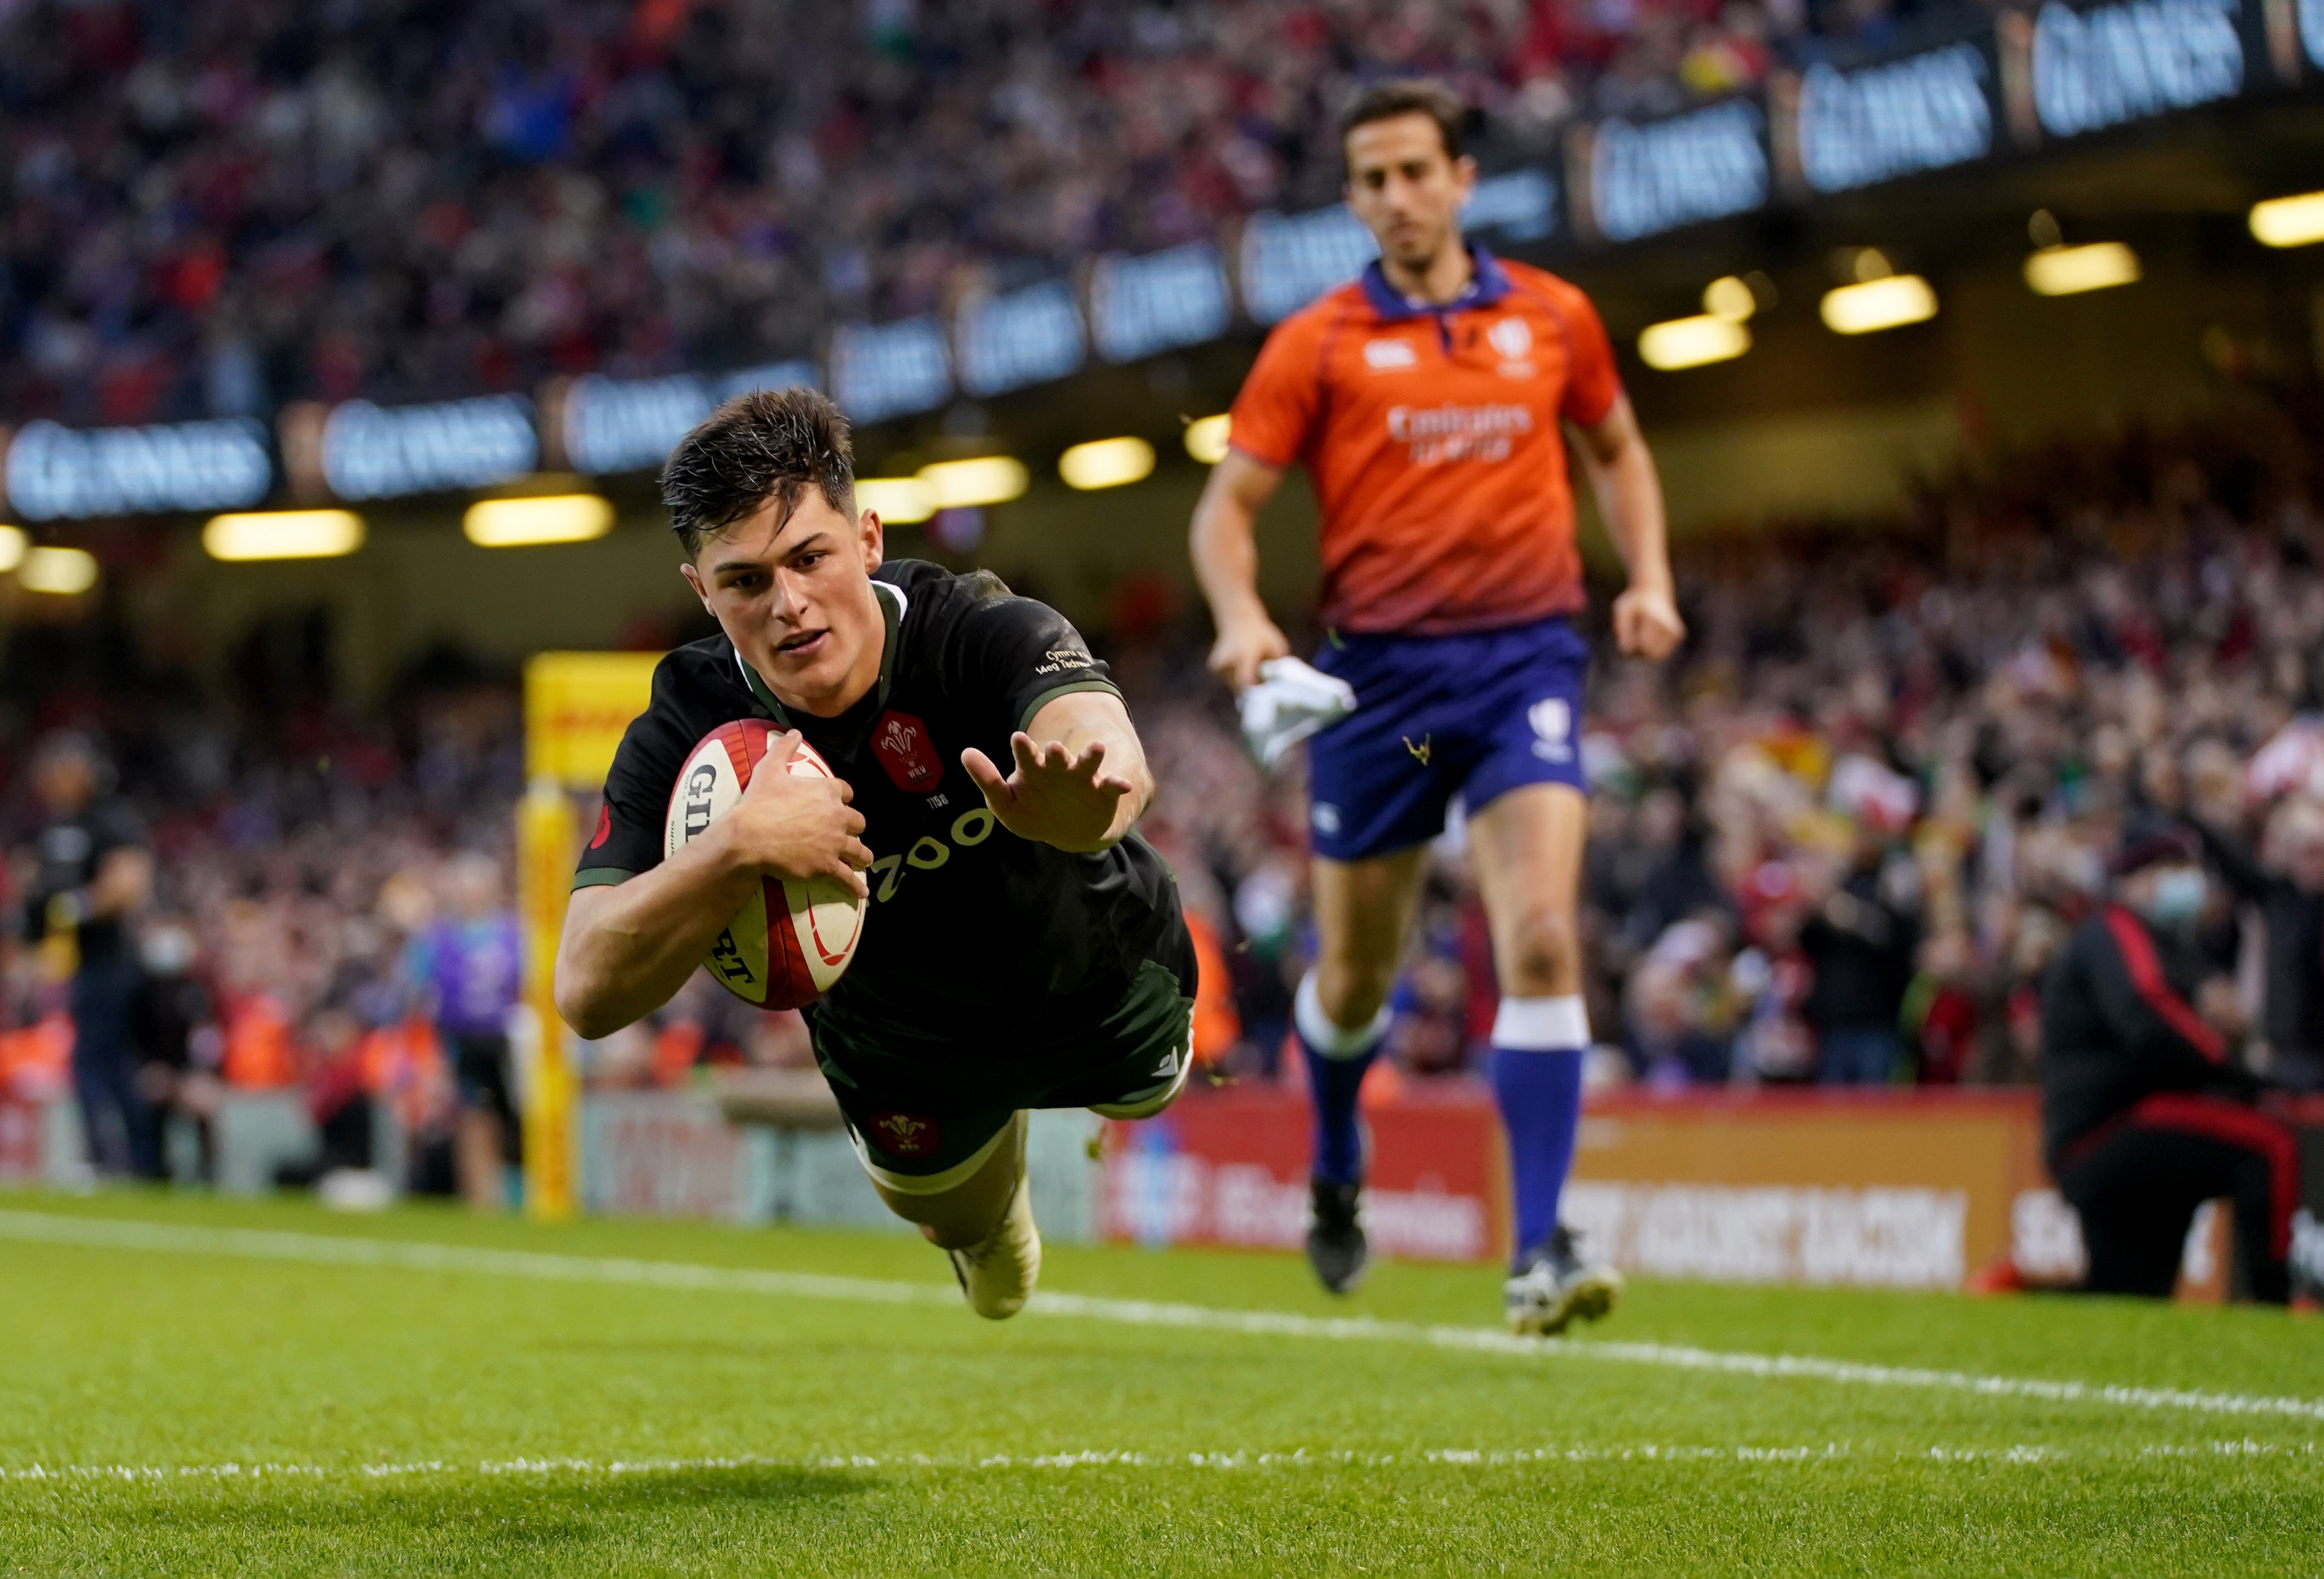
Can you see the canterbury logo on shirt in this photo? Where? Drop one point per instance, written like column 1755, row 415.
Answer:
column 1440, row 435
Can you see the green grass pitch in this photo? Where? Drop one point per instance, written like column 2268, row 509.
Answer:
column 227, row 1392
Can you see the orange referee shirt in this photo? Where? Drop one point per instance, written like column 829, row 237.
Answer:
column 1430, row 435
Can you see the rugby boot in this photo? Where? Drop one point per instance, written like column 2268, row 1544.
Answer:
column 998, row 1272
column 1554, row 1285
column 1336, row 1247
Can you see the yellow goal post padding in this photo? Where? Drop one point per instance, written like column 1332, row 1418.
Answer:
column 577, row 704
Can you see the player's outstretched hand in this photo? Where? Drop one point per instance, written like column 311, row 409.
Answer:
column 1646, row 624
column 1242, row 645
column 798, row 827
column 1053, row 796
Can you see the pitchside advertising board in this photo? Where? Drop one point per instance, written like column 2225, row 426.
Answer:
column 1230, row 1168
column 1880, row 1189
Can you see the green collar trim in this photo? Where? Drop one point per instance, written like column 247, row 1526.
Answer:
column 891, row 610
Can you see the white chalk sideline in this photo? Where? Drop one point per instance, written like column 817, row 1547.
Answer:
column 336, row 1250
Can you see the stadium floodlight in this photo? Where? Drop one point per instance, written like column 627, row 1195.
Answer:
column 2066, row 271
column 12, row 543
column 283, row 534
column 897, row 501
column 2289, row 222
column 61, row 571
column 1691, row 342
column 1729, row 298
column 526, row 523
column 964, row 485
column 1207, row 438
column 1888, row 302
column 1106, row 462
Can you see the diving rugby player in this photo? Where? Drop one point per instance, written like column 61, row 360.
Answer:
column 1022, row 948
column 1425, row 400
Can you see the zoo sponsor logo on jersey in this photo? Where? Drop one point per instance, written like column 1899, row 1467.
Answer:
column 969, row 830
column 1441, row 435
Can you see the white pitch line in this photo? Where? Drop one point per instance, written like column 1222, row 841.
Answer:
column 1460, row 1457
column 323, row 1249
column 1103, row 1458
column 1109, row 1458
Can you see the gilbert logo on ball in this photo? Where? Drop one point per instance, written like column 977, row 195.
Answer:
column 791, row 940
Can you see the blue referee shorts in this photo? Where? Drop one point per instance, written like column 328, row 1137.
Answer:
column 1476, row 715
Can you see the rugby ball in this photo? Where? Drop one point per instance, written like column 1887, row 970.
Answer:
column 791, row 940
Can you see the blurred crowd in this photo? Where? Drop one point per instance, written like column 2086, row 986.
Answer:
column 262, row 890
column 211, row 209
column 1837, row 840
column 1840, row 839
column 265, row 895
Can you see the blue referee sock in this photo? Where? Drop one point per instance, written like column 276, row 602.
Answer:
column 1537, row 1048
column 1336, row 1061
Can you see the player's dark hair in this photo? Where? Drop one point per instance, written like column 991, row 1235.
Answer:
column 765, row 445
column 1411, row 95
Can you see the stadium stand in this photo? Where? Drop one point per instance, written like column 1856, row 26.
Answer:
column 1891, row 766
column 217, row 209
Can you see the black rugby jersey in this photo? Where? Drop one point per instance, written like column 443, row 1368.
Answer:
column 971, row 931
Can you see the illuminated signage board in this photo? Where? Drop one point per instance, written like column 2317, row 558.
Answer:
column 1922, row 113
column 628, row 425
column 2118, row 63
column 1290, row 260
column 797, row 373
column 1026, row 336
column 57, row 471
column 1520, row 205
column 377, row 452
column 889, row 370
column 632, row 425
column 1141, row 305
column 1704, row 165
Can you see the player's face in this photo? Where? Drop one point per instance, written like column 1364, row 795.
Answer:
column 1405, row 189
column 794, row 594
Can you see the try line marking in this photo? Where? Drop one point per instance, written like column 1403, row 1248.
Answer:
column 334, row 1249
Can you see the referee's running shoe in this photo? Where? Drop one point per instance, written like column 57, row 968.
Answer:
column 1552, row 1286
column 1336, row 1246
